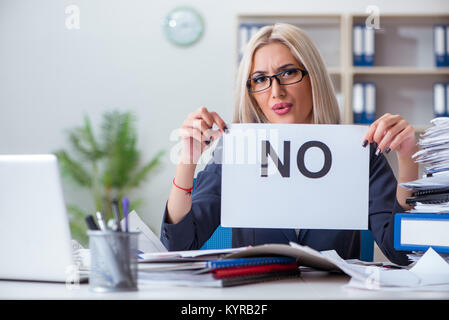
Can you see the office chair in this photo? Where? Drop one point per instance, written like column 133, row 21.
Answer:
column 366, row 245
column 220, row 239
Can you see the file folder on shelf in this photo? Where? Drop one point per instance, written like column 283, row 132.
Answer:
column 364, row 102
column 244, row 36
column 369, row 35
column 440, row 40
column 246, row 31
column 446, row 113
column 440, row 99
column 363, row 46
column 420, row 231
column 370, row 102
column 357, row 102
column 446, row 55
column 358, row 45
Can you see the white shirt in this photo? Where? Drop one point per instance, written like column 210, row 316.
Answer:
column 297, row 232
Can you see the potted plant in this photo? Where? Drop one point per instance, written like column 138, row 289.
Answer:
column 108, row 165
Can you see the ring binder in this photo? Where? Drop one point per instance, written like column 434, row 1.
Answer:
column 364, row 102
column 363, row 45
column 358, row 45
column 432, row 232
column 440, row 37
column 369, row 46
column 440, row 99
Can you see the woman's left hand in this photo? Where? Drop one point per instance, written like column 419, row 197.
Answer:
column 392, row 132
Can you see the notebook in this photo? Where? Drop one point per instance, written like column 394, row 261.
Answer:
column 192, row 279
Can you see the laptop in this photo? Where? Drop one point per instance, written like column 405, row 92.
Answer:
column 35, row 239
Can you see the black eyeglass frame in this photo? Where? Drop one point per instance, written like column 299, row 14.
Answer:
column 304, row 72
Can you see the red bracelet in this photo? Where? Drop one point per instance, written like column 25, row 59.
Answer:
column 188, row 191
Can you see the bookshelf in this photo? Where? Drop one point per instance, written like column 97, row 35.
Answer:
column 404, row 70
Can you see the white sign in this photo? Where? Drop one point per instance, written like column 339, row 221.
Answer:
column 295, row 176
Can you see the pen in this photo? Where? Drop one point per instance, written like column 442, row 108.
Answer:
column 125, row 209
column 116, row 211
column 91, row 223
column 101, row 221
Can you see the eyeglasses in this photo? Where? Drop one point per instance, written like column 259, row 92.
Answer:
column 284, row 78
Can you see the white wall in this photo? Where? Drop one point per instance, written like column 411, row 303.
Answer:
column 51, row 76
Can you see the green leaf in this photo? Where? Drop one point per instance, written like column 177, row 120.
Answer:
column 120, row 145
column 83, row 141
column 76, row 212
column 90, row 139
column 73, row 169
column 78, row 226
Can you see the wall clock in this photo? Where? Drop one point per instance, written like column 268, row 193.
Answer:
column 183, row 26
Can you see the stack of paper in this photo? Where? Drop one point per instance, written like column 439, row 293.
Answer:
column 431, row 193
column 229, row 267
column 416, row 255
column 431, row 272
column 434, row 144
column 190, row 269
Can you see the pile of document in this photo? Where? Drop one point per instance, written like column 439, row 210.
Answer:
column 245, row 265
column 431, row 193
column 434, row 145
column 417, row 255
column 213, row 268
column 253, row 264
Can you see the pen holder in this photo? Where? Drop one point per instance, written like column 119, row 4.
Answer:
column 113, row 264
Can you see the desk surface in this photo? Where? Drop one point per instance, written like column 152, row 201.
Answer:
column 311, row 285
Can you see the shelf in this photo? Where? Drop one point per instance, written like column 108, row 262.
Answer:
column 288, row 16
column 325, row 29
column 395, row 16
column 404, row 71
column 334, row 71
column 399, row 71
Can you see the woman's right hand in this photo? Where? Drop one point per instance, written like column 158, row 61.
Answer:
column 197, row 134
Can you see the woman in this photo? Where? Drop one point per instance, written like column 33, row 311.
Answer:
column 282, row 79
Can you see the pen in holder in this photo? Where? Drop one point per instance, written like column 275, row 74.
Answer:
column 113, row 264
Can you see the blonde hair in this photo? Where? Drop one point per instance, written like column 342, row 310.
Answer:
column 325, row 107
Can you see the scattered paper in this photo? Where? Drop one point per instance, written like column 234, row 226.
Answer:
column 148, row 241
column 432, row 269
column 416, row 255
column 160, row 256
column 431, row 272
